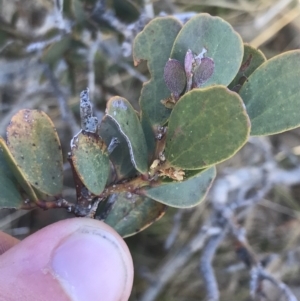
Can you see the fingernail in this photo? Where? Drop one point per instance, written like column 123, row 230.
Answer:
column 90, row 265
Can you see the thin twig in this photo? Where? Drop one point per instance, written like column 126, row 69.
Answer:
column 66, row 113
column 148, row 8
column 133, row 72
column 117, row 59
column 5, row 45
column 93, row 47
column 176, row 261
column 28, row 97
column 102, row 13
column 6, row 222
column 269, row 32
column 258, row 274
column 207, row 271
column 274, row 10
column 175, row 229
column 60, row 21
column 41, row 45
column 224, row 209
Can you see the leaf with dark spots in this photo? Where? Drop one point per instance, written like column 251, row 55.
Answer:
column 91, row 161
column 174, row 76
column 131, row 213
column 246, row 64
column 41, row 162
column 203, row 72
column 252, row 59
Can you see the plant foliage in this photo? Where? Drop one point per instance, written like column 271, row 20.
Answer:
column 207, row 93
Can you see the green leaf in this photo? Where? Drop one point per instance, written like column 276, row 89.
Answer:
column 207, row 126
column 252, row 59
column 154, row 44
column 10, row 196
column 126, row 10
column 8, row 165
column 34, row 144
column 91, row 161
column 183, row 194
column 272, row 95
column 78, row 11
column 222, row 43
column 56, row 51
column 125, row 117
column 131, row 213
column 120, row 156
column 149, row 136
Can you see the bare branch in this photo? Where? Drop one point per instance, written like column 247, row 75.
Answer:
column 207, row 271
column 176, row 261
column 67, row 114
column 61, row 23
column 133, row 72
column 148, row 8
column 258, row 274
column 229, row 194
column 30, row 97
column 93, row 47
column 175, row 229
column 101, row 13
column 41, row 45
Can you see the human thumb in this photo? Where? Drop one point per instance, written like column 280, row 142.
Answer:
column 77, row 259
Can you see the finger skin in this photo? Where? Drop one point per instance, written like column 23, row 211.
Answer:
column 26, row 273
column 6, row 242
